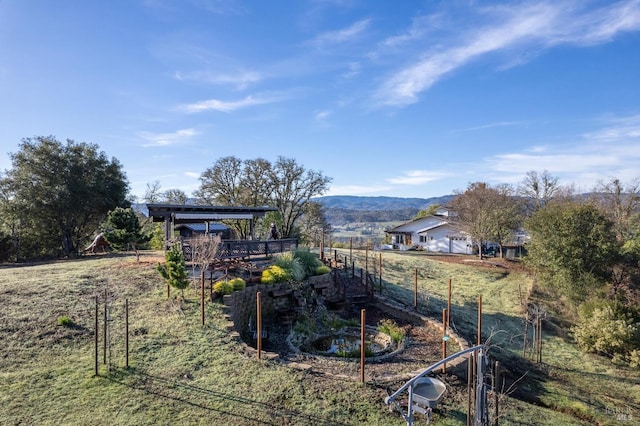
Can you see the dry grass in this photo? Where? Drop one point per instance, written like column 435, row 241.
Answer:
column 580, row 388
column 184, row 373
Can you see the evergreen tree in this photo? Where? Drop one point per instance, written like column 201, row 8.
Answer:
column 123, row 230
column 174, row 270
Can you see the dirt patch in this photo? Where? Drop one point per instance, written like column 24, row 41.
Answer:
column 423, row 347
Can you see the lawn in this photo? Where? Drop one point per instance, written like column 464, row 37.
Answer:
column 184, row 373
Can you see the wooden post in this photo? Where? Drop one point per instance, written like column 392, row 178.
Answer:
column 469, row 382
column 539, row 358
column 363, row 317
column 104, row 330
column 353, row 269
column 415, row 289
column 322, row 246
column 259, row 325
column 449, row 306
column 496, row 391
column 168, row 291
column 380, row 270
column 126, row 333
column 202, row 297
column 351, row 249
column 479, row 320
column 444, row 341
column 95, row 353
column 366, row 259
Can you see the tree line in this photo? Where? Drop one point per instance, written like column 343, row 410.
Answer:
column 584, row 249
column 58, row 195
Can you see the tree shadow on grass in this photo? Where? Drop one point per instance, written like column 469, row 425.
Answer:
column 272, row 414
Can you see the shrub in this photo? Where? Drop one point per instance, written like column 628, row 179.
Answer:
column 65, row 321
column 223, row 287
column 390, row 327
column 292, row 265
column 305, row 325
column 322, row 269
column 238, row 284
column 275, row 274
column 606, row 328
column 308, row 260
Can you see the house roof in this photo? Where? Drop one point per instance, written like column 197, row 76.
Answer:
column 414, row 224
column 183, row 213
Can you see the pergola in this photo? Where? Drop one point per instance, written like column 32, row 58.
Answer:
column 182, row 213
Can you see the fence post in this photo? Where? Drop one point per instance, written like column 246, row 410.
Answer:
column 444, row 339
column 415, row 289
column 126, row 332
column 95, row 353
column 449, row 306
column 362, row 343
column 258, row 325
column 104, row 330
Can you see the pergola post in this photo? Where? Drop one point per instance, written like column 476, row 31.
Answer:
column 167, row 231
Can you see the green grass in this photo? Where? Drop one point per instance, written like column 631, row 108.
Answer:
column 575, row 387
column 180, row 372
column 183, row 373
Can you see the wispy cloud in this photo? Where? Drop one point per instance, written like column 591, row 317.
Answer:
column 420, row 25
column 322, row 116
column 217, row 7
column 492, row 125
column 417, row 177
column 583, row 163
column 357, row 189
column 241, row 80
column 517, row 28
column 227, row 106
column 341, row 36
column 166, row 139
column 616, row 129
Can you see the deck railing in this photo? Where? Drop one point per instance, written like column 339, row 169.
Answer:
column 231, row 249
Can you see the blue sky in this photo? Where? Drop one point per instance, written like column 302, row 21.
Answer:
column 408, row 99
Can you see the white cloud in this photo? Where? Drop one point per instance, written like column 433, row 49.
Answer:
column 166, row 139
column 617, row 128
column 612, row 151
column 356, row 189
column 226, row 106
column 518, row 28
column 241, row 80
column 493, row 125
column 192, row 174
column 417, row 177
column 344, row 35
column 322, row 116
column 420, row 25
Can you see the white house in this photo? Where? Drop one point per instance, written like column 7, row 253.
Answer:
column 432, row 233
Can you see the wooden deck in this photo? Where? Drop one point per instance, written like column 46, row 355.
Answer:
column 233, row 249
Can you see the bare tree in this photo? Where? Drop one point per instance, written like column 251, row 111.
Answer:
column 293, row 187
column 486, row 213
column 285, row 184
column 619, row 203
column 153, row 194
column 538, row 189
column 204, row 251
column 175, row 196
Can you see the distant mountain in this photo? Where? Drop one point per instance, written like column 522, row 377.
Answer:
column 352, row 202
column 343, row 209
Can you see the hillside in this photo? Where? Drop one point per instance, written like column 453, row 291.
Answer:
column 352, row 202
column 344, row 209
